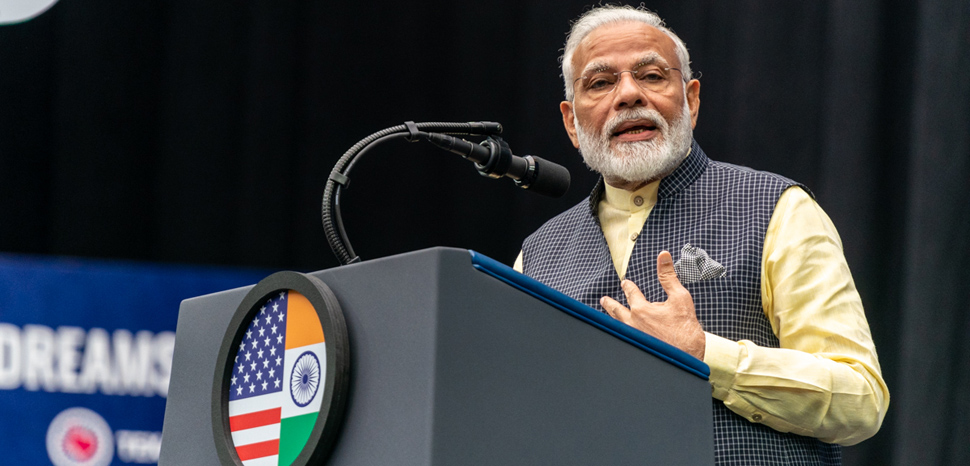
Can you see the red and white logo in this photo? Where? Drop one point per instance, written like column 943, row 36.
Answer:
column 79, row 437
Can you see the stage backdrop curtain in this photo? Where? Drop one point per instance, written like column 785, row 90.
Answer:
column 180, row 131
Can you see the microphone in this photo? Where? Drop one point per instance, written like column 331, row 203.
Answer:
column 494, row 159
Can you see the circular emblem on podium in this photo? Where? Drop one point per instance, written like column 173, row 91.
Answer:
column 281, row 378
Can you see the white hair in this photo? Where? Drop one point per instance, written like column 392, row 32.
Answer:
column 611, row 14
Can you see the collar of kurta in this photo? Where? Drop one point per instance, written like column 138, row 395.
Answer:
column 686, row 173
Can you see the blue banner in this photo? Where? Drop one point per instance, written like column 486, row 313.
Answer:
column 86, row 355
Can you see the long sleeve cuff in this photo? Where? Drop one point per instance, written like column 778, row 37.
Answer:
column 791, row 391
column 722, row 356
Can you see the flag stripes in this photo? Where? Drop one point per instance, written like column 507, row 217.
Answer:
column 256, row 434
column 302, row 324
column 256, row 419
column 258, row 450
column 265, row 461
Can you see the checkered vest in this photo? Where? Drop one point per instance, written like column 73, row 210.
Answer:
column 722, row 209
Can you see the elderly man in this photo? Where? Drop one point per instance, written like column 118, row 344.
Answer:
column 755, row 283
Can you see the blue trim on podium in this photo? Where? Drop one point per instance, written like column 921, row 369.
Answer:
column 591, row 316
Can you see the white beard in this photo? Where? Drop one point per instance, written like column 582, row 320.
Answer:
column 639, row 161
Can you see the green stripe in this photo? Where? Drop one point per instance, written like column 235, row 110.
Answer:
column 294, row 433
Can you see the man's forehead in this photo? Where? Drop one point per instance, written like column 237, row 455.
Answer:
column 624, row 41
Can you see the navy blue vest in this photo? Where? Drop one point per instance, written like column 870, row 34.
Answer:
column 723, row 209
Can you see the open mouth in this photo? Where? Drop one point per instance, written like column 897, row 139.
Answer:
column 639, row 129
column 636, row 129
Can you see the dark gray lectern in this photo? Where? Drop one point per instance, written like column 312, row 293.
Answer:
column 453, row 366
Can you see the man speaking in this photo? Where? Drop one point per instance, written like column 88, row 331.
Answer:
column 739, row 268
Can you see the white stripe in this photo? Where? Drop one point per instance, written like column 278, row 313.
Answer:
column 290, row 409
column 256, row 434
column 264, row 461
column 256, row 403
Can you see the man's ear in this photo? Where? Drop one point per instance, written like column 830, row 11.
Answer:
column 569, row 121
column 693, row 100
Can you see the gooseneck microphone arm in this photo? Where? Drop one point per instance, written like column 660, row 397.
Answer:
column 492, row 158
column 330, row 211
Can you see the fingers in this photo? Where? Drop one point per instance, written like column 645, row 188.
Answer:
column 634, row 297
column 665, row 264
column 615, row 309
column 666, row 273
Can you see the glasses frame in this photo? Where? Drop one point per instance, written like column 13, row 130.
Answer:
column 619, row 74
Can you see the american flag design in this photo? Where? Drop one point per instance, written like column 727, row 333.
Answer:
column 276, row 386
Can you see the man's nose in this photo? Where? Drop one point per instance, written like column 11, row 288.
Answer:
column 627, row 92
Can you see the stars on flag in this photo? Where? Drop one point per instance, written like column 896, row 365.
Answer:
column 262, row 354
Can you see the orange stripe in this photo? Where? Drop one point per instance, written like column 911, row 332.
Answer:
column 258, row 450
column 255, row 419
column 302, row 324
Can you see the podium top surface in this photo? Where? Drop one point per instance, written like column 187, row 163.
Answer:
column 554, row 298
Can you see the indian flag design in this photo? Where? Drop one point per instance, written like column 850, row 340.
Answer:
column 276, row 386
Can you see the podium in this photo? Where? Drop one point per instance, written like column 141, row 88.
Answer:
column 457, row 360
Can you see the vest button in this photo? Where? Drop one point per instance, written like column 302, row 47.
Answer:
column 638, row 201
column 634, row 236
column 756, row 417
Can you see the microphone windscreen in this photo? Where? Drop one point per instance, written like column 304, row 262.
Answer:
column 551, row 179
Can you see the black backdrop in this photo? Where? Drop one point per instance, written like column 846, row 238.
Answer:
column 203, row 132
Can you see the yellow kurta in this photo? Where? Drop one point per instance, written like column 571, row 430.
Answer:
column 825, row 380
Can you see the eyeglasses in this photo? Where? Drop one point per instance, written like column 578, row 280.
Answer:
column 601, row 83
